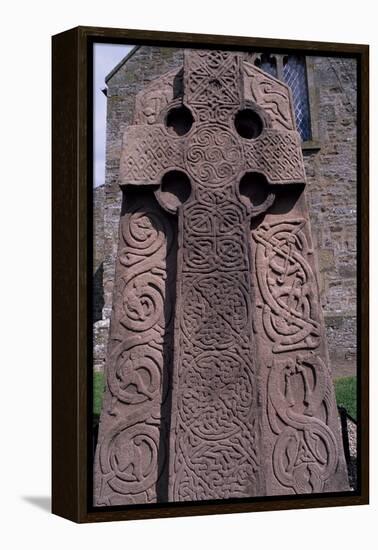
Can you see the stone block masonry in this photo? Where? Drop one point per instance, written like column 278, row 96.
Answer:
column 330, row 166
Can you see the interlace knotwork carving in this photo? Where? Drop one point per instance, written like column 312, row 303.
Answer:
column 286, row 282
column 305, row 454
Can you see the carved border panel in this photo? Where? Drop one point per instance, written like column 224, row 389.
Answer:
column 132, row 453
column 303, row 445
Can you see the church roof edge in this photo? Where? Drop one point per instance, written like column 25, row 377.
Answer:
column 119, row 65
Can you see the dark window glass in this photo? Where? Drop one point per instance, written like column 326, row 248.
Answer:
column 267, row 63
column 292, row 70
column 294, row 74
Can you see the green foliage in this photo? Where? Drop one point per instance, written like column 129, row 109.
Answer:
column 346, row 394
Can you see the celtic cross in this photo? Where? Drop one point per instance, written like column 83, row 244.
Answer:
column 251, row 406
column 214, row 441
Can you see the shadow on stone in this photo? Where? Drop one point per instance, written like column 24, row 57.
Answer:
column 95, row 426
column 168, row 345
column 286, row 197
column 98, row 293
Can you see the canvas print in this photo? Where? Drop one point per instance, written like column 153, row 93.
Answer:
column 224, row 275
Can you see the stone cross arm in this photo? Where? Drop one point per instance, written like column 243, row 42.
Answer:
column 222, row 96
column 150, row 151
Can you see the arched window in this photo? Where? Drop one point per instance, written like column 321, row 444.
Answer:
column 291, row 69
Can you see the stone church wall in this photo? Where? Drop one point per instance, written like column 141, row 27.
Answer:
column 330, row 161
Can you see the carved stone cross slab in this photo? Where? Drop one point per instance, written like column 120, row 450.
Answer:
column 250, row 414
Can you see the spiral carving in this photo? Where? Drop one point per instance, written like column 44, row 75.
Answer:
column 131, row 458
column 213, row 155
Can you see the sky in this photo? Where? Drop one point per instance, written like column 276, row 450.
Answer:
column 106, row 57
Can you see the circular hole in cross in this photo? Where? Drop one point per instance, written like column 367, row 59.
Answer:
column 180, row 120
column 254, row 189
column 248, row 124
column 174, row 190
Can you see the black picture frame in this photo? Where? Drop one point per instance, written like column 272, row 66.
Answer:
column 72, row 262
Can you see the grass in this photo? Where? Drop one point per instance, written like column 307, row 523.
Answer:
column 98, row 390
column 346, row 394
